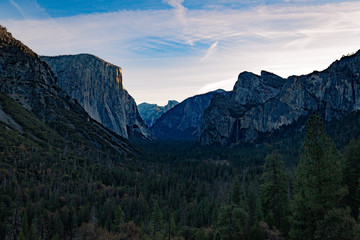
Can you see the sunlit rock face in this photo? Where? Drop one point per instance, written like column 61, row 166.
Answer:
column 264, row 103
column 152, row 112
column 97, row 86
column 183, row 122
column 29, row 81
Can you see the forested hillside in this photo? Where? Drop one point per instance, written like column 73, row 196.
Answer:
column 216, row 193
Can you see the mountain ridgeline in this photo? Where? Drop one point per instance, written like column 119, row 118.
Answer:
column 152, row 112
column 184, row 120
column 64, row 175
column 262, row 104
column 97, row 86
column 35, row 109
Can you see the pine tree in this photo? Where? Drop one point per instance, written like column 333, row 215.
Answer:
column 338, row 225
column 352, row 176
column 172, row 226
column 236, row 192
column 214, row 216
column 273, row 193
column 118, row 219
column 318, row 187
column 232, row 222
column 200, row 234
column 156, row 219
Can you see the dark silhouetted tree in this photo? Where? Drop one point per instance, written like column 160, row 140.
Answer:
column 273, row 193
column 318, row 187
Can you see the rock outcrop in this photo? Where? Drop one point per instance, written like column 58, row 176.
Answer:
column 260, row 104
column 183, row 122
column 97, row 86
column 152, row 112
column 29, row 81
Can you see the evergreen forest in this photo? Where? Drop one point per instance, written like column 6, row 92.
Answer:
column 297, row 186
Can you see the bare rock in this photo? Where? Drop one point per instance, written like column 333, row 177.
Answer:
column 97, row 86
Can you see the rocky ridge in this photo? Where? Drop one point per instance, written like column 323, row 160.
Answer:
column 260, row 104
column 184, row 120
column 152, row 112
column 97, row 86
column 29, row 81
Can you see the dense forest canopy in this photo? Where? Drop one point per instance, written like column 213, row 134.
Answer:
column 181, row 190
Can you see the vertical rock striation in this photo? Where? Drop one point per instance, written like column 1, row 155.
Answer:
column 260, row 104
column 97, row 86
column 29, row 81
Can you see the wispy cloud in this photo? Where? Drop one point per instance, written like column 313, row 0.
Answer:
column 184, row 51
column 28, row 9
column 180, row 9
column 210, row 51
column 12, row 2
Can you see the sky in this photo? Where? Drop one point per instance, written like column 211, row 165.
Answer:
column 174, row 49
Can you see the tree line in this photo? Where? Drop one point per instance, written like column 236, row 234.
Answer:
column 163, row 195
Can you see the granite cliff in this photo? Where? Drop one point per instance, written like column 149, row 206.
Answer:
column 97, row 86
column 184, row 120
column 152, row 112
column 260, row 104
column 28, row 84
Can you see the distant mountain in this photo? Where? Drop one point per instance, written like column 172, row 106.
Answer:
column 37, row 113
column 97, row 86
column 152, row 112
column 184, row 120
column 262, row 104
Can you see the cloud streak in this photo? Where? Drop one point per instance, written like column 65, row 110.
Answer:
column 175, row 53
column 210, row 51
column 12, row 2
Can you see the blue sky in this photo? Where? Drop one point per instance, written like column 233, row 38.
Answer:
column 173, row 49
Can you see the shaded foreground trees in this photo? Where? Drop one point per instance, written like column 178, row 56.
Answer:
column 318, row 212
column 43, row 198
column 274, row 193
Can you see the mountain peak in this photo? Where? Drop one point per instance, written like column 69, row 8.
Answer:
column 28, row 82
column 172, row 102
column 272, row 79
column 84, row 57
column 97, row 86
column 247, row 75
column 7, row 40
column 253, row 89
column 219, row 90
column 152, row 112
column 261, row 104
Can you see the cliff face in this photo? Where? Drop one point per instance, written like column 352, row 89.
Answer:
column 97, row 86
column 152, row 112
column 268, row 102
column 29, row 81
column 253, row 89
column 184, row 120
column 23, row 75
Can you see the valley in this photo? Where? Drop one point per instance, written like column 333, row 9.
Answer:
column 266, row 160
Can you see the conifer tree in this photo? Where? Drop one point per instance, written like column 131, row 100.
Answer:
column 273, row 193
column 236, row 192
column 118, row 219
column 232, row 222
column 156, row 219
column 200, row 234
column 172, row 226
column 352, row 176
column 318, row 187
